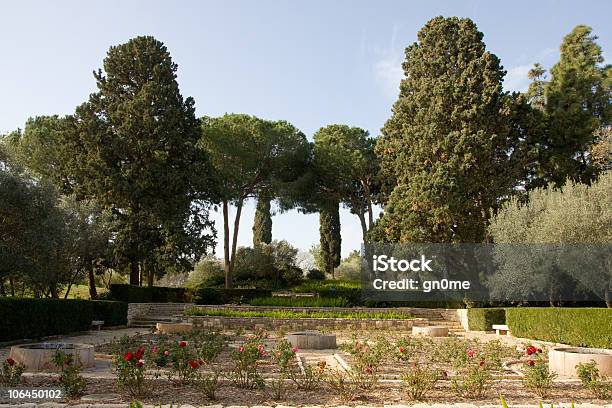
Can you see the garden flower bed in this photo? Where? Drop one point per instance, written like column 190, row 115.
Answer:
column 259, row 368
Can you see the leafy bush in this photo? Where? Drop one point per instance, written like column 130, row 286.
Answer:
column 131, row 370
column 221, row 296
column 594, row 381
column 27, row 318
column 286, row 314
column 574, row 326
column 245, row 360
column 207, row 272
column 419, row 379
column 286, row 301
column 71, row 381
column 10, row 373
column 538, row 377
column 481, row 319
column 112, row 313
column 145, row 294
column 315, row 275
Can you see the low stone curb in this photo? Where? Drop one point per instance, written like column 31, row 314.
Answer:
column 418, row 405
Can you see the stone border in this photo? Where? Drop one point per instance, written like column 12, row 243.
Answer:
column 229, row 323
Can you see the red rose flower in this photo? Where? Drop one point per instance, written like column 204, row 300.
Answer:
column 539, row 350
column 402, row 350
column 482, row 363
column 531, row 363
column 10, row 361
column 193, row 364
column 470, row 352
column 128, row 356
column 182, row 343
column 530, row 350
column 139, row 363
column 139, row 353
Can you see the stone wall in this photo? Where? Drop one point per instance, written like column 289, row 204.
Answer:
column 142, row 310
column 229, row 323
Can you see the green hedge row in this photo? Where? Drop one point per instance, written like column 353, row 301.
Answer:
column 481, row 319
column 221, row 296
column 145, row 294
column 584, row 327
column 27, row 318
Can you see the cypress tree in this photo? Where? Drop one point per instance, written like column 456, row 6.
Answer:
column 448, row 148
column 330, row 239
column 262, row 226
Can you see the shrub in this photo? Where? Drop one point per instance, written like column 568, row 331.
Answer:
column 419, row 379
column 145, row 294
column 284, row 357
column 71, row 381
column 221, row 296
column 481, row 319
column 315, row 275
column 474, row 375
column 593, row 381
column 207, row 272
column 131, row 373
column 27, row 318
column 538, row 377
column 112, row 313
column 287, row 314
column 184, row 362
column 574, row 326
column 245, row 360
column 10, row 373
column 311, row 377
column 287, row 301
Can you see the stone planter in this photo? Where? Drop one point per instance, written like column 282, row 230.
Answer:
column 39, row 356
column 174, row 328
column 312, row 340
column 563, row 360
column 430, row 331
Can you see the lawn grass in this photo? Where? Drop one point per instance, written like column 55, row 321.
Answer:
column 286, row 314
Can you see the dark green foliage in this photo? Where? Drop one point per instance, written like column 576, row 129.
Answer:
column 481, row 319
column 220, row 296
column 450, row 149
column 156, row 294
column 584, row 327
column 315, row 274
column 27, row 318
column 112, row 313
column 575, row 103
column 262, row 227
column 132, row 147
column 287, row 314
column 288, row 301
column 330, row 238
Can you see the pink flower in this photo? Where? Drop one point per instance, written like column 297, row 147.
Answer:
column 530, row 362
column 241, row 349
column 471, row 352
column 295, row 349
column 166, row 353
column 154, row 349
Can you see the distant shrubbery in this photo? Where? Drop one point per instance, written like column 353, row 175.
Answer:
column 286, row 314
column 286, row 301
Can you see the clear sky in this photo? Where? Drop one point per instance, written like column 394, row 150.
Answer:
column 312, row 63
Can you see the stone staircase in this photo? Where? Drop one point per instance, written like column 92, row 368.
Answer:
column 441, row 317
column 146, row 315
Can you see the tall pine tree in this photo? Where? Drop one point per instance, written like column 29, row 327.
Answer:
column 133, row 149
column 330, row 239
column 262, row 226
column 449, row 148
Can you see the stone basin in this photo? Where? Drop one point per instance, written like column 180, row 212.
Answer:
column 39, row 356
column 312, row 340
column 174, row 328
column 430, row 331
column 563, row 360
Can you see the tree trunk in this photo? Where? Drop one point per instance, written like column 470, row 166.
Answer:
column 93, row 292
column 235, row 237
column 134, row 272
column 150, row 276
column 368, row 198
column 226, row 249
column 364, row 227
column 607, row 297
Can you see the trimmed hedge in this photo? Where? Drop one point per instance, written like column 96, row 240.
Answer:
column 221, row 296
column 582, row 327
column 27, row 318
column 482, row 319
column 145, row 294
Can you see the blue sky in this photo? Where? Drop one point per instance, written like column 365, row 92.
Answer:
column 312, row 63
